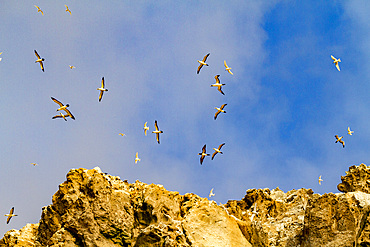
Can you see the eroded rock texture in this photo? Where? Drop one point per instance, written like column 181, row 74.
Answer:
column 357, row 179
column 95, row 209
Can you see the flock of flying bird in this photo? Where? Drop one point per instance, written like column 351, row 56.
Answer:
column 102, row 89
column 64, row 112
column 218, row 84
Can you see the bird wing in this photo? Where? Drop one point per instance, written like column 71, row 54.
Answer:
column 337, row 65
column 219, row 147
column 37, row 7
column 204, row 149
column 216, row 114
column 37, row 55
column 69, row 113
column 42, row 66
column 156, row 125
column 136, row 155
column 8, row 219
column 341, row 141
column 57, row 116
column 214, row 154
column 199, row 67
column 101, row 95
column 11, row 210
column 102, row 82
column 332, row 57
column 201, row 159
column 211, row 193
column 225, row 64
column 205, row 57
column 57, row 101
column 217, row 79
column 222, row 107
column 157, row 136
column 220, row 90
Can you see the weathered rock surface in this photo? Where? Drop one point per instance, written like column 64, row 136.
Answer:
column 95, row 209
column 92, row 208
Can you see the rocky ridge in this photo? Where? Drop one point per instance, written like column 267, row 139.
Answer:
column 92, row 208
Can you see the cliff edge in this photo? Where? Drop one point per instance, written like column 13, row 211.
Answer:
column 92, row 208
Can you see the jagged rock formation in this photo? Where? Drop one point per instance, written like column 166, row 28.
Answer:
column 357, row 179
column 95, row 209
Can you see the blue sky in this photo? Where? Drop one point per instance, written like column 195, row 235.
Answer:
column 285, row 101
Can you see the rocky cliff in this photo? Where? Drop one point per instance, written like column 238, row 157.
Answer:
column 92, row 208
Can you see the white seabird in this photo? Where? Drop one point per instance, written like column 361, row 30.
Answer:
column 339, row 139
column 219, row 110
column 67, row 10
column 40, row 60
column 101, row 89
column 39, row 10
column 203, row 62
column 63, row 107
column 211, row 193
column 157, row 131
column 137, row 158
column 146, row 128
column 320, row 180
column 336, row 62
column 218, row 84
column 217, row 150
column 203, row 154
column 10, row 215
column 227, row 68
column 349, row 131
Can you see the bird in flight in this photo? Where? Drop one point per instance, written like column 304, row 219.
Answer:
column 203, row 62
column 61, row 115
column 137, row 158
column 217, row 150
column 121, row 134
column 339, row 139
column 157, row 131
column 219, row 110
column 349, row 131
column 203, row 154
column 211, row 193
column 39, row 10
column 227, row 68
column 320, row 180
column 63, row 107
column 218, row 84
column 101, row 89
column 10, row 215
column 71, row 67
column 40, row 60
column 34, row 164
column 336, row 62
column 146, row 128
column 67, row 10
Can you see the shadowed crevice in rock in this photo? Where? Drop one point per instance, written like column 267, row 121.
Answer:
column 92, row 208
